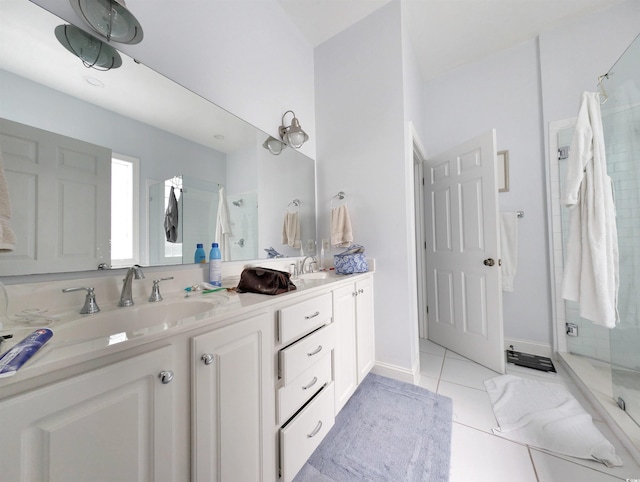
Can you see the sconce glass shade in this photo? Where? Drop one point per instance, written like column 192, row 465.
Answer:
column 293, row 135
column 274, row 146
column 111, row 19
column 93, row 52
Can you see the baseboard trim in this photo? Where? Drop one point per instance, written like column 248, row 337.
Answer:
column 397, row 373
column 525, row 346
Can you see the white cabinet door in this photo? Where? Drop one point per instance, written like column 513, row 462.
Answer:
column 115, row 423
column 344, row 353
column 234, row 403
column 365, row 327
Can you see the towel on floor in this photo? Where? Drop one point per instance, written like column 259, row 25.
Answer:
column 508, row 248
column 591, row 264
column 547, row 416
column 223, row 226
column 7, row 236
column 291, row 230
column 341, row 232
column 171, row 218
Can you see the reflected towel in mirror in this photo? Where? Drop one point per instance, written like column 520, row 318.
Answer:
column 291, row 230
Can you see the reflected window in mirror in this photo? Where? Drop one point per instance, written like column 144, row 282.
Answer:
column 125, row 208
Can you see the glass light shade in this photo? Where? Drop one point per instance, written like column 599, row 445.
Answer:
column 92, row 51
column 274, row 146
column 295, row 136
column 296, row 139
column 111, row 19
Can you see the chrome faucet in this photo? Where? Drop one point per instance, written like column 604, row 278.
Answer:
column 126, row 298
column 313, row 260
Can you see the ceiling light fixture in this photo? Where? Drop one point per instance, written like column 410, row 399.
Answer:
column 111, row 19
column 93, row 52
column 274, row 145
column 293, row 135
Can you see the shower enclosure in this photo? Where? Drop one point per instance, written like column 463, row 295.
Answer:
column 612, row 355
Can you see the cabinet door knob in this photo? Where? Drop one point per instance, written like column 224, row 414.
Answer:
column 489, row 262
column 166, row 376
column 360, row 291
column 207, row 358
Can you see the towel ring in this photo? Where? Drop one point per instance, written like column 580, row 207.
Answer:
column 296, row 206
column 341, row 196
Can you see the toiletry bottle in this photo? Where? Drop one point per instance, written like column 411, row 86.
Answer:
column 215, row 265
column 200, row 256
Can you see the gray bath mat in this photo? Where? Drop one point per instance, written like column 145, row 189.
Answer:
column 387, row 431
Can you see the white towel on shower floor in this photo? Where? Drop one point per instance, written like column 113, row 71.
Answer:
column 547, row 416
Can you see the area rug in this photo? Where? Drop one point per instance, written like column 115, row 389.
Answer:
column 545, row 415
column 387, row 431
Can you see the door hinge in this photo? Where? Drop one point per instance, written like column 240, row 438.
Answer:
column 563, row 153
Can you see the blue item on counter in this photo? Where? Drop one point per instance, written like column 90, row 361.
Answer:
column 200, row 256
column 215, row 265
column 352, row 260
column 17, row 356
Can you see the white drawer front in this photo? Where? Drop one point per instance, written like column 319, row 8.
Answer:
column 304, row 433
column 301, row 318
column 299, row 356
column 294, row 395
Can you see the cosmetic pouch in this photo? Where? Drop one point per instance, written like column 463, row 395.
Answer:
column 265, row 281
column 353, row 260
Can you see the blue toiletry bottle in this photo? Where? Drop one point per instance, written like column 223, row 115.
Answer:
column 215, row 265
column 200, row 256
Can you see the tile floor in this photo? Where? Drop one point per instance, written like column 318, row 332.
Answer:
column 478, row 455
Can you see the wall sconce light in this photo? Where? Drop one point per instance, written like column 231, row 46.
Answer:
column 93, row 52
column 111, row 19
column 274, row 145
column 293, row 135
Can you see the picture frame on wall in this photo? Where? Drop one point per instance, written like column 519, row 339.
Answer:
column 503, row 171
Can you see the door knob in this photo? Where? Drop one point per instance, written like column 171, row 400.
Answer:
column 166, row 376
column 489, row 262
column 207, row 358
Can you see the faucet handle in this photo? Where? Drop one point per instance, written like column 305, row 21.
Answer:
column 90, row 304
column 155, row 291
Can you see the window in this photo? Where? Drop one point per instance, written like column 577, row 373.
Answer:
column 125, row 211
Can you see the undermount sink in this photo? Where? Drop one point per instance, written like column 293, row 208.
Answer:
column 132, row 321
column 314, row 275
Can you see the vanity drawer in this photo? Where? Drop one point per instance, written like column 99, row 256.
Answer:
column 294, row 395
column 301, row 318
column 299, row 356
column 304, row 433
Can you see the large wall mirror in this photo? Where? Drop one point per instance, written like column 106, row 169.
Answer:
column 92, row 158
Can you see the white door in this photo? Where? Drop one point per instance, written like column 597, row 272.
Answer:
column 60, row 192
column 463, row 253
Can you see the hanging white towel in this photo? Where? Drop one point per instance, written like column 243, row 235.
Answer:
column 547, row 416
column 291, row 230
column 7, row 236
column 223, row 226
column 591, row 265
column 341, row 232
column 508, row 248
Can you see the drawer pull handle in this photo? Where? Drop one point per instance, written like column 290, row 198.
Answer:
column 315, row 430
column 312, row 383
column 316, row 351
column 308, row 317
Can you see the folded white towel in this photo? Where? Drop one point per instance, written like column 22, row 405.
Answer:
column 547, row 416
column 291, row 230
column 341, row 232
column 508, row 248
column 7, row 236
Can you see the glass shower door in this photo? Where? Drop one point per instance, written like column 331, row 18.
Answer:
column 621, row 121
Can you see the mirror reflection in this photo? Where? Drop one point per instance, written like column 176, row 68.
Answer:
column 91, row 158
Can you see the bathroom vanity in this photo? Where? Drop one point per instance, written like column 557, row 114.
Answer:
column 244, row 390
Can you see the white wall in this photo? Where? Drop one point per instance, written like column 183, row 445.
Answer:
column 360, row 122
column 245, row 56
